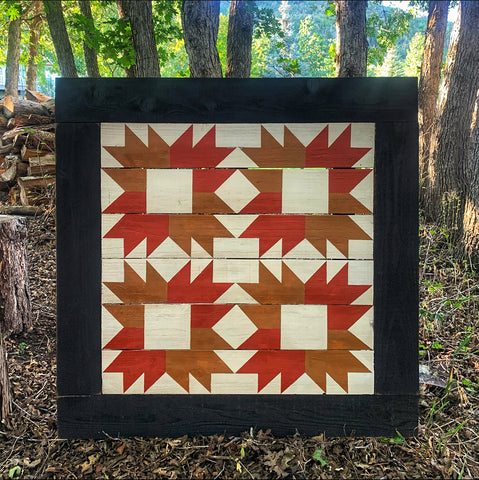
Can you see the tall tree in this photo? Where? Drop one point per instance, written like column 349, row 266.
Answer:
column 429, row 83
column 452, row 133
column 351, row 41
column 35, row 26
column 61, row 42
column 200, row 22
column 13, row 51
column 91, row 60
column 239, row 40
column 143, row 35
column 124, row 14
column 470, row 239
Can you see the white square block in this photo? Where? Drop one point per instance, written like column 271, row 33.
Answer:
column 235, row 270
column 305, row 191
column 167, row 326
column 235, row 247
column 238, row 135
column 304, row 327
column 169, row 191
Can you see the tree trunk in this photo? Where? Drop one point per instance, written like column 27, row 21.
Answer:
column 240, row 37
column 143, row 34
column 61, row 42
column 447, row 172
column 91, row 60
column 200, row 21
column 351, row 41
column 34, row 26
column 5, row 389
column 13, row 57
column 429, row 84
column 14, row 284
column 470, row 239
column 123, row 7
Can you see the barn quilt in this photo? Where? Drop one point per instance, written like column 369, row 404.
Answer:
column 237, row 258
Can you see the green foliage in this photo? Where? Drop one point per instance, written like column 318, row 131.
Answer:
column 383, row 30
column 412, row 64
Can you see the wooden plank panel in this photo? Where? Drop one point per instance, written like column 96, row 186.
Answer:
column 78, row 259
column 275, row 281
column 195, row 236
column 129, row 415
column 208, row 100
column 227, row 191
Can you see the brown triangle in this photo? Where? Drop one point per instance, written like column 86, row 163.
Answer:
column 273, row 155
column 131, row 180
column 200, row 363
column 136, row 154
column 338, row 229
column 130, row 316
column 336, row 363
column 207, row 339
column 345, row 203
column 263, row 316
column 344, row 340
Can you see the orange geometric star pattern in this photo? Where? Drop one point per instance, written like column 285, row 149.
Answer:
column 238, row 258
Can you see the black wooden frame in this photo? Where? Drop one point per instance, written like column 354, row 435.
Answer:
column 82, row 104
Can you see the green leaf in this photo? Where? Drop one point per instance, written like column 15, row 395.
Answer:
column 15, row 471
column 318, row 456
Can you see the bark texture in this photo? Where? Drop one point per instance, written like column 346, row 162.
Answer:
column 13, row 57
column 143, row 35
column 5, row 388
column 61, row 42
column 35, row 26
column 447, row 172
column 200, row 21
column 429, row 83
column 351, row 41
column 240, row 37
column 14, row 284
column 470, row 240
column 123, row 7
column 89, row 53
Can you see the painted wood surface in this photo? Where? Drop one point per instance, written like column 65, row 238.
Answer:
column 242, row 359
column 244, row 301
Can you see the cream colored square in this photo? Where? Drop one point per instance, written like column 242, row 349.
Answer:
column 234, row 383
column 169, row 191
column 167, row 327
column 238, row 135
column 235, row 247
column 235, row 270
column 304, row 327
column 305, row 191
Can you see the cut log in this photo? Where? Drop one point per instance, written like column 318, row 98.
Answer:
column 26, row 120
column 13, row 106
column 14, row 284
column 6, row 149
column 3, row 121
column 34, row 189
column 50, row 106
column 35, row 96
column 41, row 140
column 30, row 210
column 10, row 164
column 42, row 165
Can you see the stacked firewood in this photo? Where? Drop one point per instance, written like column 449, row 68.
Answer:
column 27, row 148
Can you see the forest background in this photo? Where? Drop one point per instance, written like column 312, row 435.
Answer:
column 116, row 38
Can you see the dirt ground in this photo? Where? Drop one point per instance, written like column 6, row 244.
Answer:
column 446, row 444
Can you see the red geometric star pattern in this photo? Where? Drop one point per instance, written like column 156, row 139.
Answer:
column 237, row 258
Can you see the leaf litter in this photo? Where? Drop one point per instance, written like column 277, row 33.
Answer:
column 446, row 444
